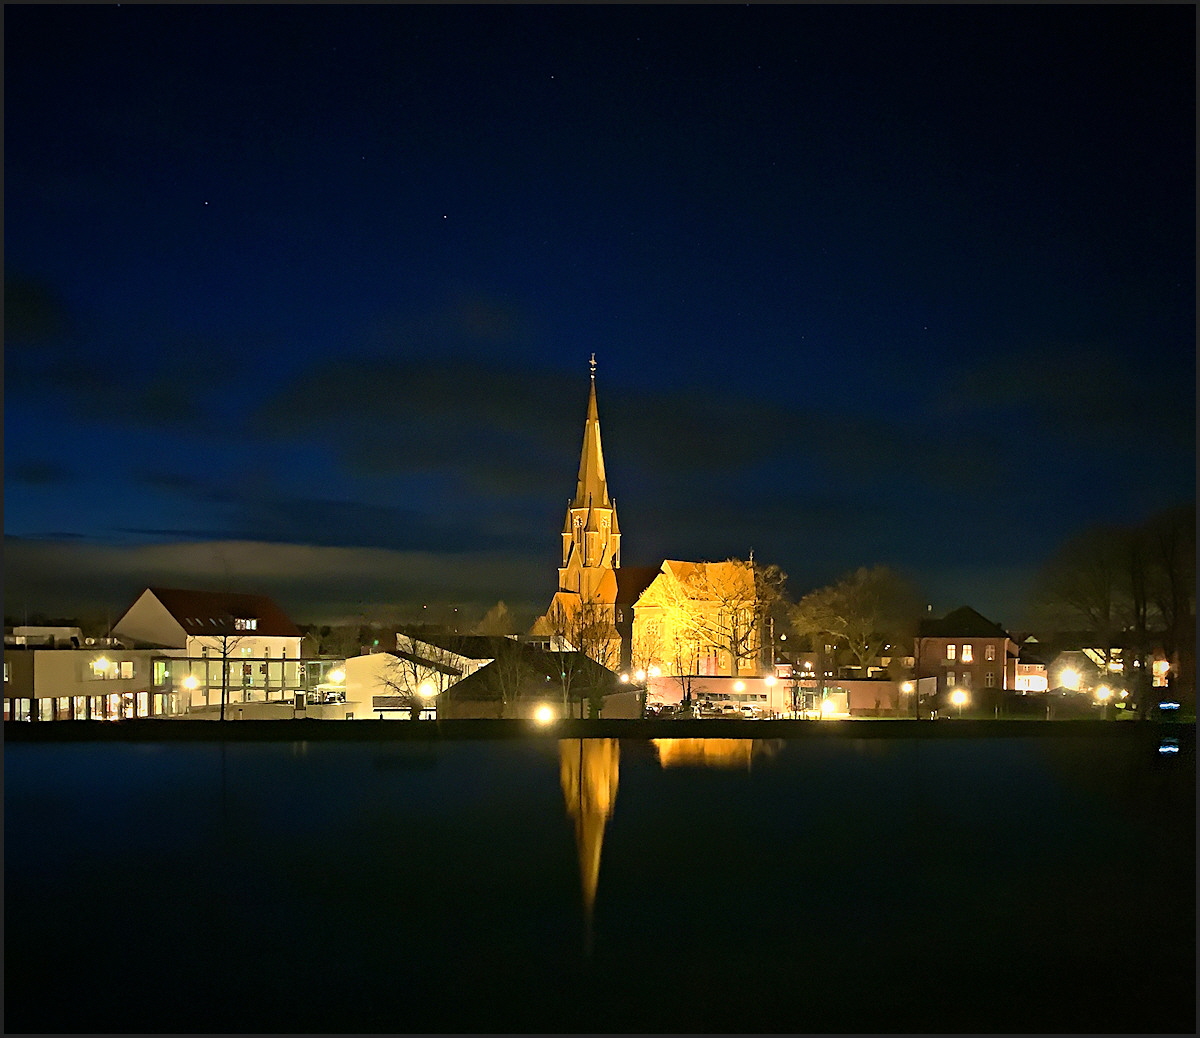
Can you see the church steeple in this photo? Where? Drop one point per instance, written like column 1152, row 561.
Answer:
column 591, row 487
column 591, row 538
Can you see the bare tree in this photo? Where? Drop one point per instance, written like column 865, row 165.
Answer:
column 1085, row 586
column 1171, row 546
column 417, row 672
column 496, row 621
column 225, row 645
column 586, row 631
column 508, row 671
column 865, row 611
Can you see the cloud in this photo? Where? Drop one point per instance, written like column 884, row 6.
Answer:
column 39, row 473
column 310, row 583
column 34, row 312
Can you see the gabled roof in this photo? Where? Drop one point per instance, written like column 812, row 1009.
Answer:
column 215, row 612
column 535, row 672
column 423, row 661
column 469, row 646
column 632, row 581
column 962, row 623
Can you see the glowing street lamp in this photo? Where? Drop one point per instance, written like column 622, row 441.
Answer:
column 958, row 697
column 827, row 707
column 1069, row 678
column 544, row 714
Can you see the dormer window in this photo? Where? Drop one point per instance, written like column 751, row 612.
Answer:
column 245, row 623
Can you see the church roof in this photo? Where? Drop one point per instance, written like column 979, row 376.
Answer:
column 591, row 486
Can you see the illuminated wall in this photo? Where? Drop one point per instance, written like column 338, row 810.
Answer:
column 699, row 618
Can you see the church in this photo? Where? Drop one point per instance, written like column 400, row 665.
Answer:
column 583, row 612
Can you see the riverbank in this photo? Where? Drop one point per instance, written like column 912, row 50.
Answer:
column 308, row 729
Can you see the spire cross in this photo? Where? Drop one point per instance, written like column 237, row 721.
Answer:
column 592, row 365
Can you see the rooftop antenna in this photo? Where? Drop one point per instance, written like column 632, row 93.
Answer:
column 592, row 365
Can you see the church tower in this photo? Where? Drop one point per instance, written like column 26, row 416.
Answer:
column 591, row 542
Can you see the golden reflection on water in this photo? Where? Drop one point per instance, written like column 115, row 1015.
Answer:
column 588, row 769
column 714, row 753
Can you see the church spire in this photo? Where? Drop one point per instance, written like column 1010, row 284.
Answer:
column 591, row 486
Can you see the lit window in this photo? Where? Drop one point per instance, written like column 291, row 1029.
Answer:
column 968, row 655
column 243, row 623
column 990, row 681
column 949, row 678
column 127, row 668
column 951, row 652
column 989, row 653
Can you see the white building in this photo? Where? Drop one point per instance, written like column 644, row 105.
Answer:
column 210, row 640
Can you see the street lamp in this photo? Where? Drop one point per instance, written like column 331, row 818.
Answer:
column 1103, row 695
column 958, row 697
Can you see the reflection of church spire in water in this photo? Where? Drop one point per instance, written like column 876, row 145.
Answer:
column 589, row 783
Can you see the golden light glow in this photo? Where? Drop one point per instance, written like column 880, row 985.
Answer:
column 190, row 682
column 906, row 687
column 102, row 663
column 1103, row 693
column 827, row 707
column 544, row 714
column 1160, row 668
column 739, row 686
column 769, row 680
column 588, row 771
column 640, row 675
column 624, row 679
column 958, row 697
column 426, row 690
column 337, row 675
column 1069, row 678
column 655, row 672
column 713, row 753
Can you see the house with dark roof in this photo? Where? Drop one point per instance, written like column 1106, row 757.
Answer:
column 966, row 650
column 216, row 642
column 523, row 679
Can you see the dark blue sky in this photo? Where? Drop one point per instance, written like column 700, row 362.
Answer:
column 302, row 298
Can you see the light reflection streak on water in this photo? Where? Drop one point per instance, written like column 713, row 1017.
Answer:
column 588, row 770
column 714, row 753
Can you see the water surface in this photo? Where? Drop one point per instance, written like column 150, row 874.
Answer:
column 973, row 885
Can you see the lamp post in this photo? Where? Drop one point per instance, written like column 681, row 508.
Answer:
column 958, row 697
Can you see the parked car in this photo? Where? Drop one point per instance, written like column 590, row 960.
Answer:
column 750, row 713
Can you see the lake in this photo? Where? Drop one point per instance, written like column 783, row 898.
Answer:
column 537, row 884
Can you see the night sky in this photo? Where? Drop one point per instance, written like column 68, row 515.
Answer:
column 301, row 299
